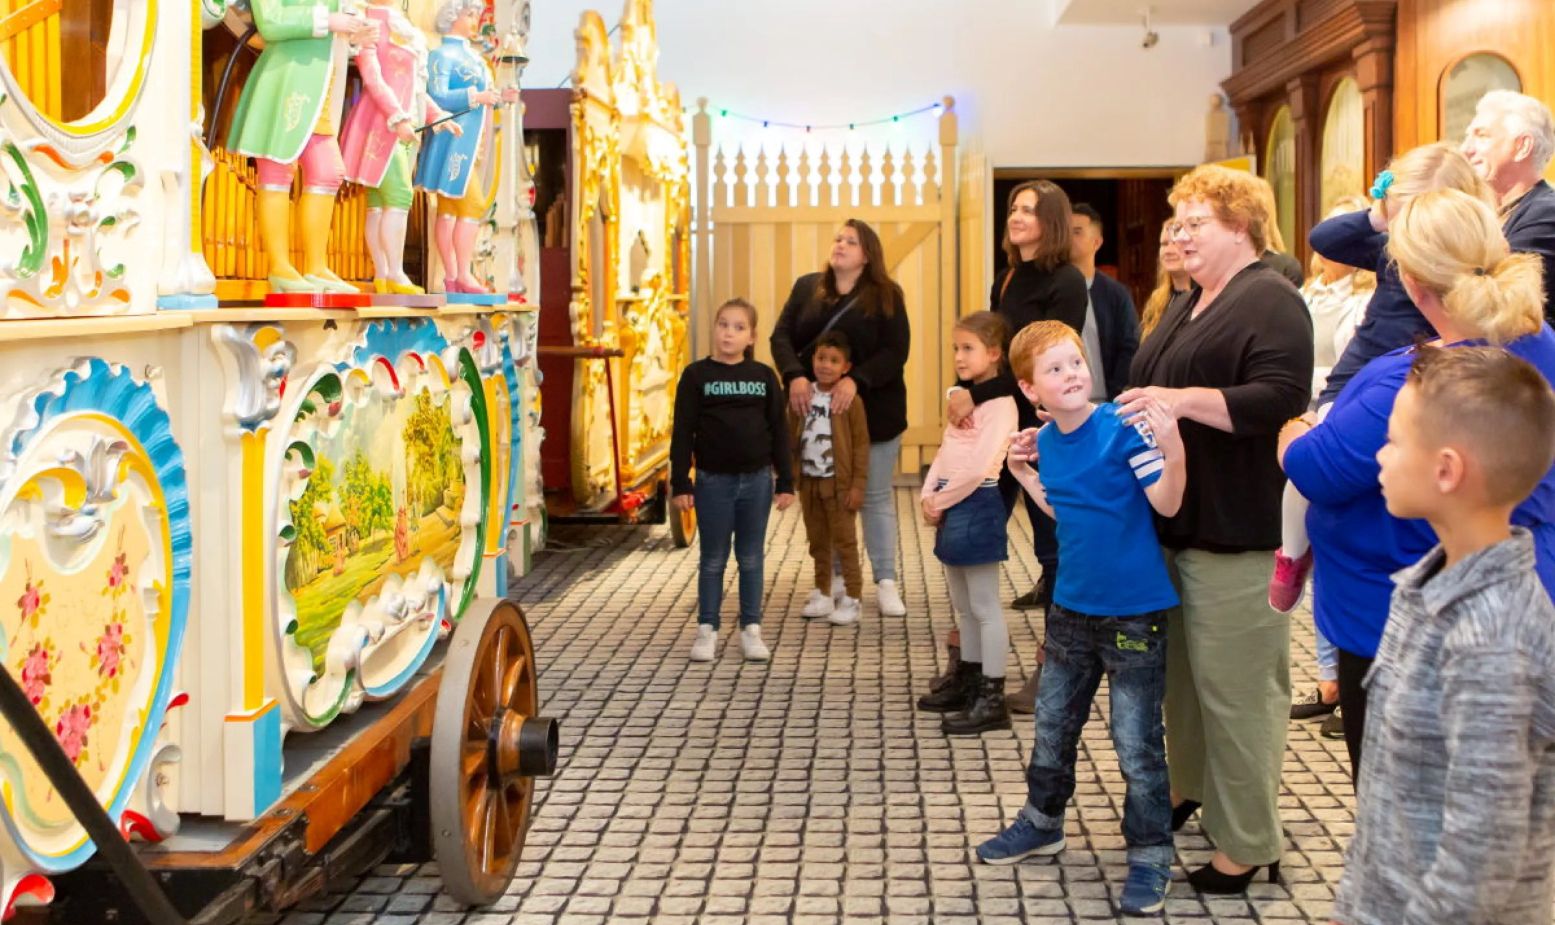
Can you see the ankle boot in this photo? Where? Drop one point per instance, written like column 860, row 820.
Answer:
column 955, row 695
column 1025, row 701
column 985, row 713
column 952, row 662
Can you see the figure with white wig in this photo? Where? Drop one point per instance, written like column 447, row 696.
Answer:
column 461, row 82
column 379, row 140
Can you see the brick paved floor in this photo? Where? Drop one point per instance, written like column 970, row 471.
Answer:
column 809, row 789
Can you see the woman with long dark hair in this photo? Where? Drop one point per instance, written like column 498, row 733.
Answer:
column 856, row 296
column 1039, row 285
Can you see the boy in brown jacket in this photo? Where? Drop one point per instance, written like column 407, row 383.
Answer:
column 831, row 456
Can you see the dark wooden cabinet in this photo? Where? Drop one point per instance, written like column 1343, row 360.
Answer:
column 1296, row 60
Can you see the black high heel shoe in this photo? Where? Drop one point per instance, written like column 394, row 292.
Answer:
column 1209, row 879
column 1182, row 811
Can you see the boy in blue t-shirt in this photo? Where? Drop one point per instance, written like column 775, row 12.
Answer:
column 1101, row 476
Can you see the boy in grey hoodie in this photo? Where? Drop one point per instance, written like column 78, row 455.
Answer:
column 1455, row 818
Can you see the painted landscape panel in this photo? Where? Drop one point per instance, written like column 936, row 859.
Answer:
column 384, row 494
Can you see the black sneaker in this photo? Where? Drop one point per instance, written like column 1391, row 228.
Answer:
column 1312, row 706
column 1333, row 727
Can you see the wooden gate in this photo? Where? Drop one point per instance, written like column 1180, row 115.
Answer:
column 773, row 219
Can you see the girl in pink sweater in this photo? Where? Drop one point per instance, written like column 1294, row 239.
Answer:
column 961, row 500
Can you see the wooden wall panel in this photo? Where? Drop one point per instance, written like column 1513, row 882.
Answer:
column 1292, row 53
column 767, row 231
column 1433, row 35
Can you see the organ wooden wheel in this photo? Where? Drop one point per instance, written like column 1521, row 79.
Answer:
column 683, row 525
column 488, row 746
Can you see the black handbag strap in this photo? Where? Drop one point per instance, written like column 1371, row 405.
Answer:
column 834, row 319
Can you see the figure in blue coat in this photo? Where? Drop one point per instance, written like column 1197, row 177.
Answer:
column 459, row 81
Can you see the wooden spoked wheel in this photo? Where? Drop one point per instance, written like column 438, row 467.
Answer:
column 488, row 745
column 683, row 525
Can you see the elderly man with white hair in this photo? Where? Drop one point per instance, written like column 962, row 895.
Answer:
column 1510, row 142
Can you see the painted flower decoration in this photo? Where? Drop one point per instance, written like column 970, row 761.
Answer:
column 35, row 674
column 31, row 602
column 110, row 648
column 118, row 571
column 72, row 728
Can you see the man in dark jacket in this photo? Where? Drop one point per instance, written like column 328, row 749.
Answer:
column 1111, row 332
column 1510, row 142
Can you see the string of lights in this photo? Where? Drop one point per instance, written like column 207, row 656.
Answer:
column 726, row 113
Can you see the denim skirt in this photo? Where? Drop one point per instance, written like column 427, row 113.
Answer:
column 973, row 532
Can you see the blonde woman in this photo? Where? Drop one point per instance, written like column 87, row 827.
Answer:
column 1359, row 239
column 1171, row 281
column 1336, row 295
column 1275, row 256
column 1456, row 266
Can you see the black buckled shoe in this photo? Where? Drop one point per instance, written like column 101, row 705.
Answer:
column 956, row 693
column 952, row 663
column 986, row 712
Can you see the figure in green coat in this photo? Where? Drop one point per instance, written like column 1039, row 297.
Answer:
column 289, row 112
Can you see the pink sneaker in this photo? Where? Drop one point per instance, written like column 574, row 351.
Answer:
column 1289, row 580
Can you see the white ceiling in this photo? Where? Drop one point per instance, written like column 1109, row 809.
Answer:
column 1162, row 12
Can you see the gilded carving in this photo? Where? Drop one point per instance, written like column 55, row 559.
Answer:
column 630, row 280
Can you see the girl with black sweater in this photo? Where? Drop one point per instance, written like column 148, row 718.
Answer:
column 856, row 296
column 730, row 422
column 1040, row 285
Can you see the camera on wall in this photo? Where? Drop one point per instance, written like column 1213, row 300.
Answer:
column 1151, row 36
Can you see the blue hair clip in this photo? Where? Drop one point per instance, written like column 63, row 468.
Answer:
column 1379, row 186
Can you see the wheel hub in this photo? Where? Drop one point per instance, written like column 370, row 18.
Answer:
column 521, row 746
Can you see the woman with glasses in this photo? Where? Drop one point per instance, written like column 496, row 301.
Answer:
column 1232, row 362
column 1171, row 282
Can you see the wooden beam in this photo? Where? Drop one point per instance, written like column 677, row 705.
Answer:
column 28, row 16
column 1333, row 38
column 897, row 245
column 334, row 794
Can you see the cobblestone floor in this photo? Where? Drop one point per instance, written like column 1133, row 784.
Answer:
column 809, row 789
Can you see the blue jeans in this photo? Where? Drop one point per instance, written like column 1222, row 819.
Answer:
column 1131, row 652
column 879, row 511
column 1327, row 656
column 732, row 506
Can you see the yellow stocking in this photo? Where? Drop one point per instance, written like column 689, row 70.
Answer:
column 314, row 213
column 275, row 235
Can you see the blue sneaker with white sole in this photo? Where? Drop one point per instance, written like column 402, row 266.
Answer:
column 1020, row 840
column 1144, row 892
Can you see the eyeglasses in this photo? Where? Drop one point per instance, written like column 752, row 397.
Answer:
column 1189, row 227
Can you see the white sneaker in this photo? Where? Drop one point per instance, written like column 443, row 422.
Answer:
column 707, row 639
column 819, row 605
column 846, row 613
column 888, row 599
column 750, row 641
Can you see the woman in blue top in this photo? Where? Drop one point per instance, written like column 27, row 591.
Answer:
column 1391, row 320
column 1457, row 268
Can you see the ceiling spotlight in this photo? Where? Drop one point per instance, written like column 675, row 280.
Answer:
column 1151, row 36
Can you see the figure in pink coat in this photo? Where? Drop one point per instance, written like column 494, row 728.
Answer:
column 381, row 133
